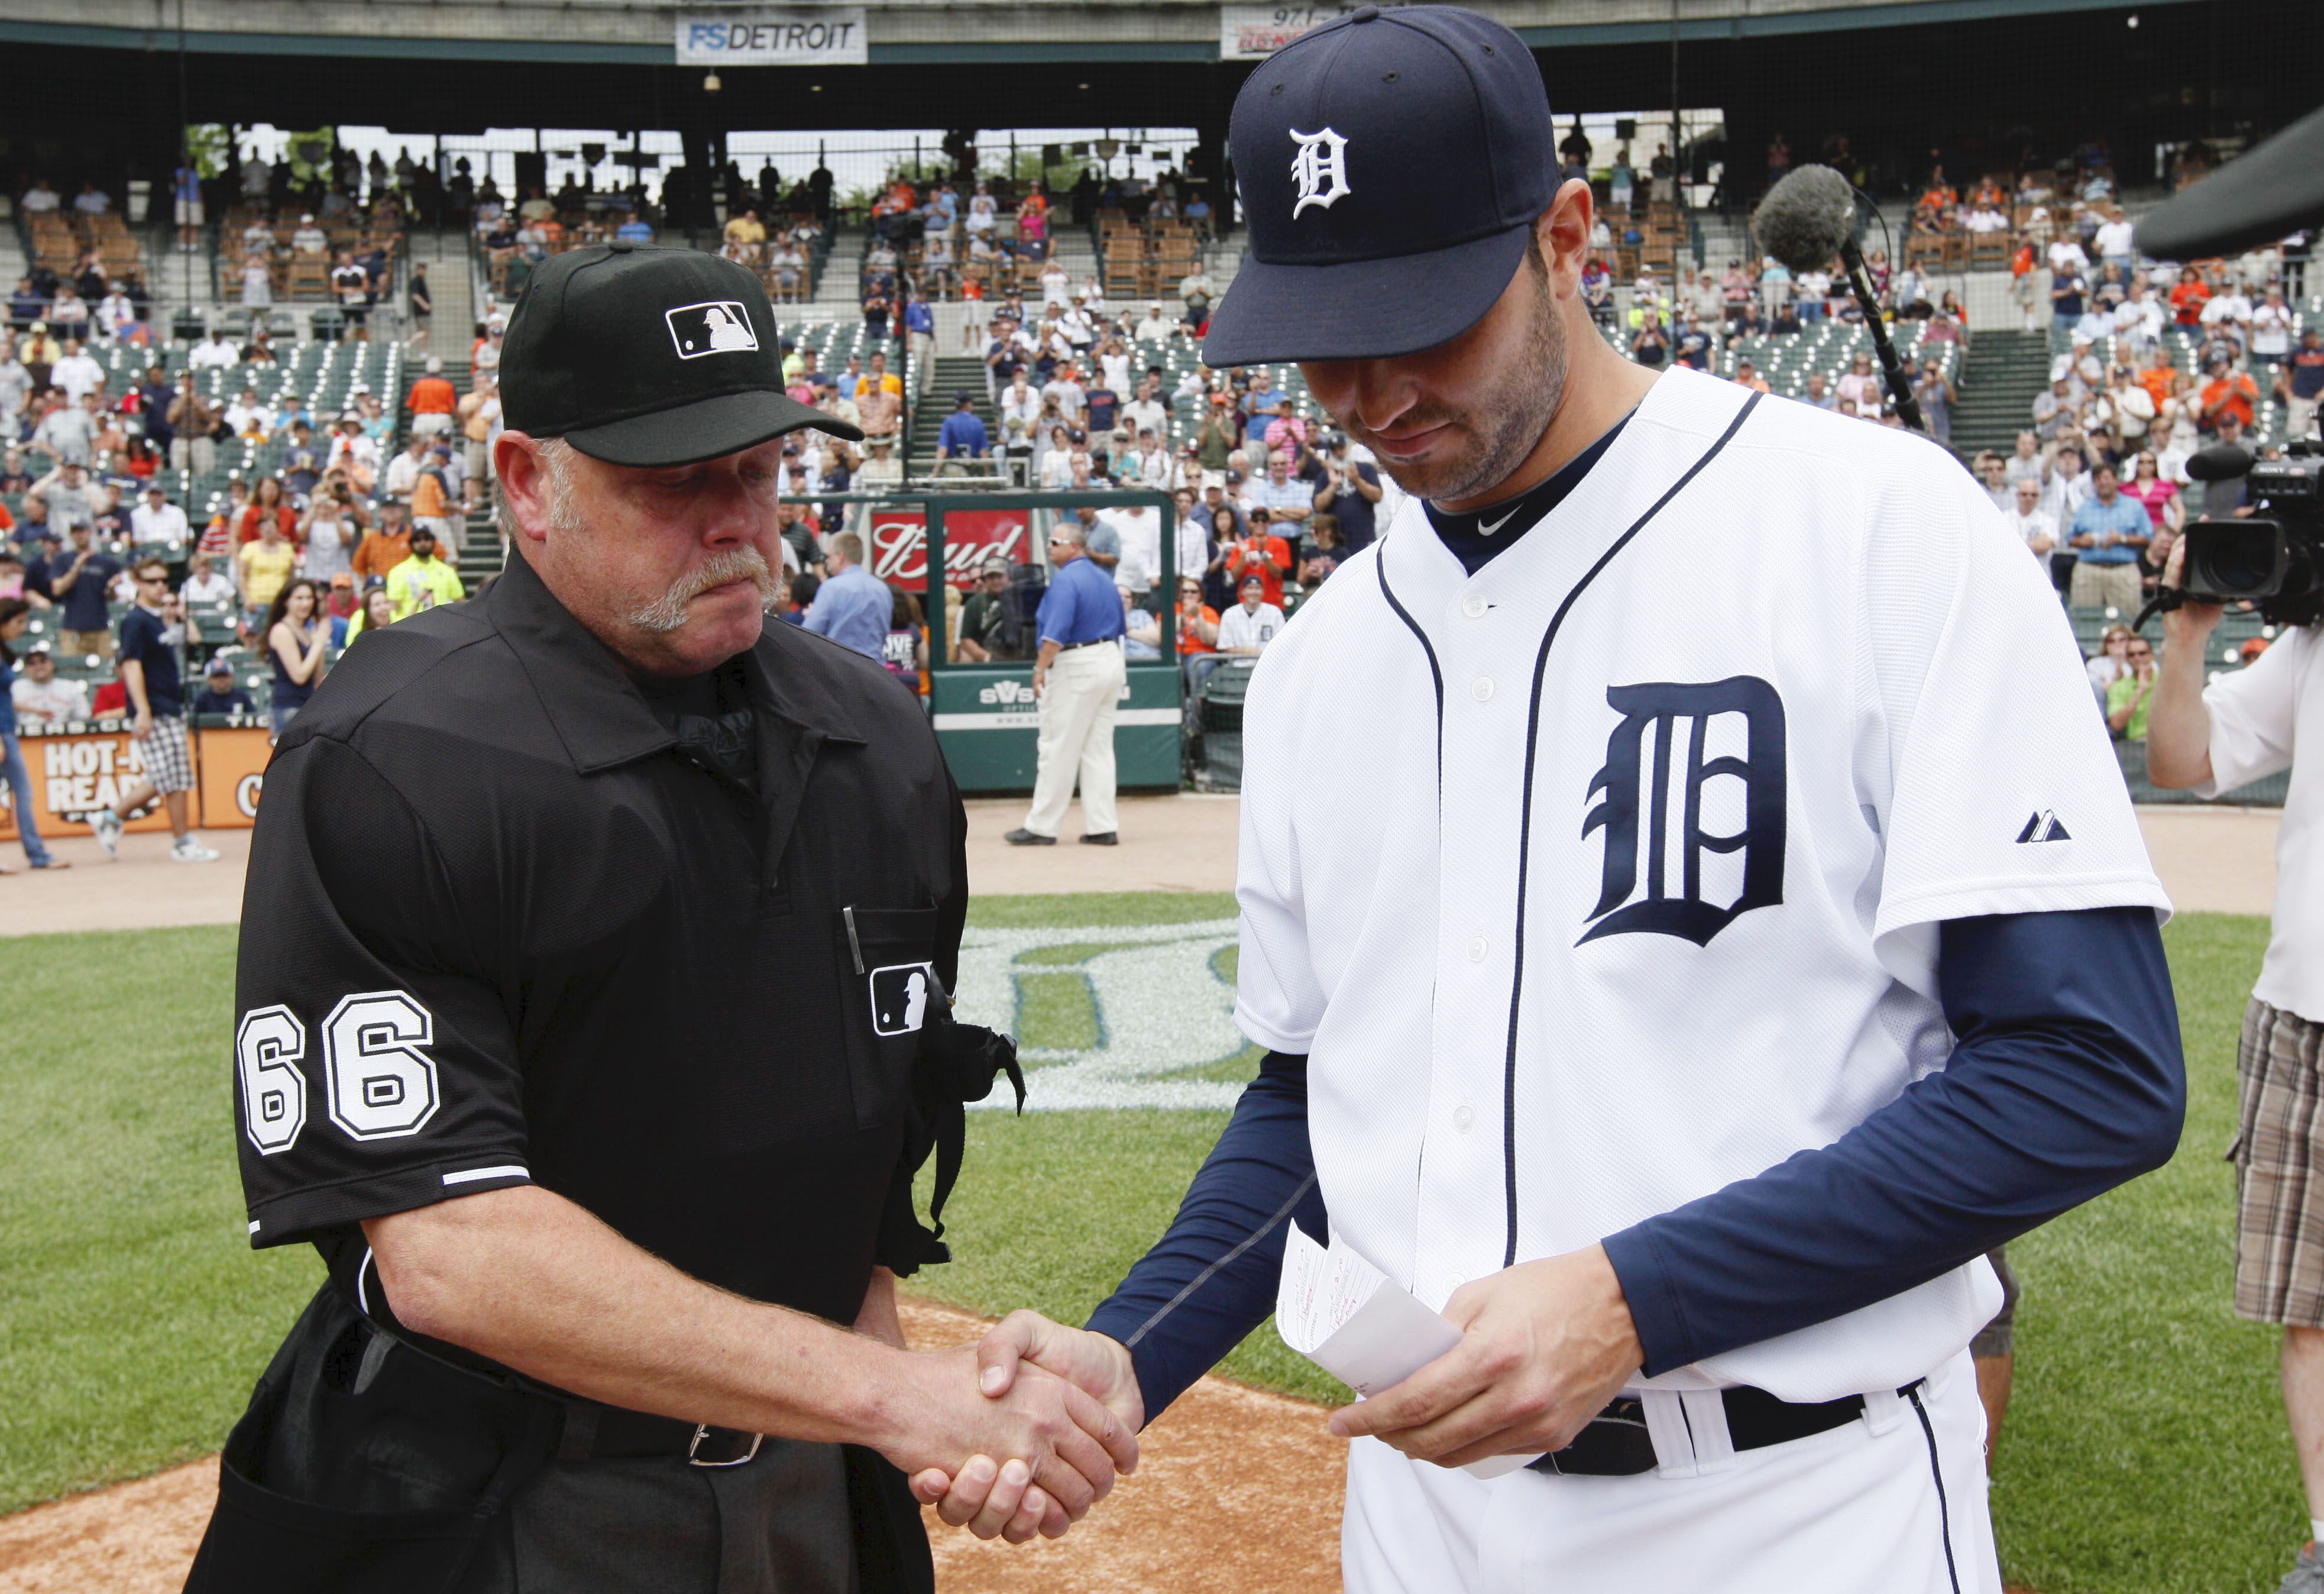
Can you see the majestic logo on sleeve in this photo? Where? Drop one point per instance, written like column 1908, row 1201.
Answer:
column 1684, row 759
column 1319, row 169
column 720, row 327
column 2042, row 827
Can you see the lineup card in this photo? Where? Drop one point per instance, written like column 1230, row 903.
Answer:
column 1340, row 1312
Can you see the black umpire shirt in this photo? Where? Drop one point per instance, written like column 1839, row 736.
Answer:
column 504, row 925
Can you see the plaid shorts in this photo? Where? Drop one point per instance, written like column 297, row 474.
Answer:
column 2279, row 1194
column 169, row 761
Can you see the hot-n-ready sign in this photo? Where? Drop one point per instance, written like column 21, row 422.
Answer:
column 1251, row 32
column 772, row 36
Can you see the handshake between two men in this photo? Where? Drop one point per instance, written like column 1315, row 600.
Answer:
column 1544, row 1346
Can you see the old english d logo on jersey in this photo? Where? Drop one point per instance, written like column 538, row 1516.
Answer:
column 1659, row 766
column 1319, row 169
column 900, row 998
column 720, row 327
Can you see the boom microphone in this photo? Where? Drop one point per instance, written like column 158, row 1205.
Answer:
column 2219, row 462
column 1807, row 220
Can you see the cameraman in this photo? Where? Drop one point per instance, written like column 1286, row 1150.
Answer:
column 2207, row 740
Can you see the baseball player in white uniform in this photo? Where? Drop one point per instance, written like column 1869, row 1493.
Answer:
column 1691, row 910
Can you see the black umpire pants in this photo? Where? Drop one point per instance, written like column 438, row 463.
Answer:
column 365, row 1466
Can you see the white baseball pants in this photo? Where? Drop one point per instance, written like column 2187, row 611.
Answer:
column 1077, row 706
column 1882, row 1503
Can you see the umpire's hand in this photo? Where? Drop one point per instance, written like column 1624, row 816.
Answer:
column 1004, row 1501
column 1545, row 1345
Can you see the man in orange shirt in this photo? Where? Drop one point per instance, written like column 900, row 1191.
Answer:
column 431, row 401
column 2189, row 298
column 2160, row 373
column 385, row 546
column 431, row 506
column 1267, row 557
column 2229, row 392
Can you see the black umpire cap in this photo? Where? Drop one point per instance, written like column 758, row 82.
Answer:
column 1391, row 165
column 640, row 355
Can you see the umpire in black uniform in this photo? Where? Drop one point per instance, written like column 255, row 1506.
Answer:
column 592, row 1025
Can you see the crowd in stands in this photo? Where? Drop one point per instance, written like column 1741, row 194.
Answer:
column 2147, row 376
column 936, row 242
column 343, row 528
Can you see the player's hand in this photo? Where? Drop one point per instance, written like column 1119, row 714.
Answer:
column 1097, row 1364
column 142, row 726
column 2191, row 624
column 1545, row 1345
column 1060, row 1445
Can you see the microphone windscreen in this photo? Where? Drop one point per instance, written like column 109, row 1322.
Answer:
column 1807, row 219
column 2219, row 462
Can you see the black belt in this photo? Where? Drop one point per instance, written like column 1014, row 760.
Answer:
column 1615, row 1443
column 595, row 1433
column 1067, row 647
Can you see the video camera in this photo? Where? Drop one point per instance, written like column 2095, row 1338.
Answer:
column 2273, row 559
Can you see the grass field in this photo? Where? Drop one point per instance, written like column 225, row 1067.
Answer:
column 2145, row 1451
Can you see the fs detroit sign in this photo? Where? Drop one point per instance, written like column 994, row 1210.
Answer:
column 823, row 36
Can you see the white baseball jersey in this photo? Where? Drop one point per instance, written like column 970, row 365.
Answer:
column 1611, row 873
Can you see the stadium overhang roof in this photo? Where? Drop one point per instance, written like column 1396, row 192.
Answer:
column 900, row 32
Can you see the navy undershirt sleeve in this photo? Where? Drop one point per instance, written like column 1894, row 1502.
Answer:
column 2065, row 1080
column 1212, row 1279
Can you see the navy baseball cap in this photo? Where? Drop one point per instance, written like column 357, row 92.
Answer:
column 647, row 357
column 1390, row 165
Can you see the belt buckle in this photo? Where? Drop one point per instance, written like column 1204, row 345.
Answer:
column 702, row 1431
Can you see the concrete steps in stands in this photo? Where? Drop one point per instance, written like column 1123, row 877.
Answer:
column 951, row 375
column 1999, row 378
column 451, row 285
column 174, row 277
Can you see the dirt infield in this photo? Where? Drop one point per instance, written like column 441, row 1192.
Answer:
column 2211, row 861
column 1185, row 843
column 1238, row 1492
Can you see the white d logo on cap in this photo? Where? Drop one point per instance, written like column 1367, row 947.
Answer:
column 1320, row 168
column 719, row 326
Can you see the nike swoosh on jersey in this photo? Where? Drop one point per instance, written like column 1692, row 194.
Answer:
column 1486, row 530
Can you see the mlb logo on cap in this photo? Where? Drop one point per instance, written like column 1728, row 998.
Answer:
column 612, row 349
column 900, row 998
column 722, row 326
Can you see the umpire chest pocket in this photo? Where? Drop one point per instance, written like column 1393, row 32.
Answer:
column 885, row 953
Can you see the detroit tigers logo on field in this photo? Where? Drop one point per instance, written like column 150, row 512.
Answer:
column 1726, row 740
column 720, row 327
column 1319, row 169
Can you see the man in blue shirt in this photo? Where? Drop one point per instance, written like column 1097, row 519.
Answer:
column 2108, row 532
column 635, row 231
column 1079, row 678
column 919, row 325
column 853, row 605
column 1693, row 348
column 963, row 437
column 150, row 643
column 78, row 580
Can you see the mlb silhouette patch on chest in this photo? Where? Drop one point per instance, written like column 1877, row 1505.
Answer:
column 719, row 326
column 900, row 998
